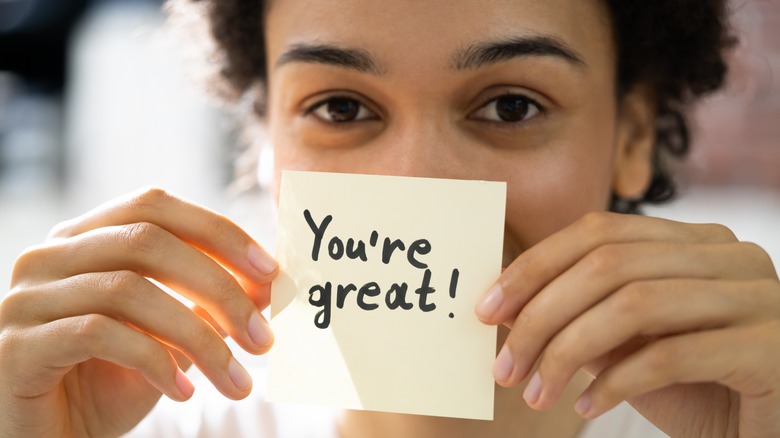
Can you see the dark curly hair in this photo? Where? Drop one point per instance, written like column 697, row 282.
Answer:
column 676, row 47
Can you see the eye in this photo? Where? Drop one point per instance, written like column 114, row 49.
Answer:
column 341, row 110
column 508, row 108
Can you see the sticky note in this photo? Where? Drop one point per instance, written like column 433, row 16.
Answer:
column 373, row 307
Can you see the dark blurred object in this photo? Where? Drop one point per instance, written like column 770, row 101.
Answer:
column 34, row 37
column 30, row 139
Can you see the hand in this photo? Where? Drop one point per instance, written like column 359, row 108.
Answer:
column 88, row 343
column 681, row 320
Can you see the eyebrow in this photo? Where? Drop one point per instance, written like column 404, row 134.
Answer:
column 356, row 59
column 492, row 52
column 472, row 57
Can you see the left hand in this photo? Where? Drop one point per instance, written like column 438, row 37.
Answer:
column 681, row 320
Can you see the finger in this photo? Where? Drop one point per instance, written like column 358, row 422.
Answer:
column 260, row 294
column 647, row 309
column 206, row 316
column 205, row 229
column 539, row 265
column 49, row 351
column 154, row 252
column 130, row 298
column 737, row 357
column 606, row 269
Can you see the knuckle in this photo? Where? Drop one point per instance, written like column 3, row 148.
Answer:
column 598, row 222
column 757, row 254
column 14, row 305
column 557, row 353
column 155, row 355
column 774, row 327
column 610, row 388
column 27, row 261
column 12, row 345
column 631, row 299
column 771, row 288
column 603, row 260
column 217, row 225
column 90, row 329
column 150, row 198
column 62, row 230
column 119, row 281
column 771, row 329
column 661, row 356
column 227, row 292
column 526, row 321
column 554, row 360
column 141, row 237
column 9, row 344
column 770, row 354
column 719, row 233
column 121, row 286
column 208, row 344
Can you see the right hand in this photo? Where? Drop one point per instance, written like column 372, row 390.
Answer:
column 88, row 343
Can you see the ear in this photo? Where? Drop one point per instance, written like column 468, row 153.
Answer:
column 633, row 165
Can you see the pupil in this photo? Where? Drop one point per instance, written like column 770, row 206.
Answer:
column 343, row 110
column 512, row 108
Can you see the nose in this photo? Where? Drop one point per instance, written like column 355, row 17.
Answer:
column 420, row 147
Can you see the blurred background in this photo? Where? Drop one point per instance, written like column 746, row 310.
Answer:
column 96, row 101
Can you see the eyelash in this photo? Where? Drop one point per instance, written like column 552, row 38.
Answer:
column 312, row 110
column 532, row 105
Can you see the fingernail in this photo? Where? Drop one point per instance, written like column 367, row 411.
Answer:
column 534, row 388
column 502, row 368
column 184, row 384
column 238, row 375
column 259, row 331
column 261, row 260
column 490, row 303
column 582, row 405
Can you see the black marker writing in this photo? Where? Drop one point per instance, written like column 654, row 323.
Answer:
column 318, row 232
column 454, row 286
column 420, row 246
column 424, row 290
column 396, row 297
column 367, row 296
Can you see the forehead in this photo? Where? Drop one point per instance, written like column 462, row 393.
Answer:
column 427, row 33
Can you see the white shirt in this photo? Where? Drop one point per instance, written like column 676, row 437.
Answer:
column 210, row 414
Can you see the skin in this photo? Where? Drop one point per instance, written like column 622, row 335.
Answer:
column 681, row 320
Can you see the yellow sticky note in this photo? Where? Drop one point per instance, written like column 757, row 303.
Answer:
column 374, row 304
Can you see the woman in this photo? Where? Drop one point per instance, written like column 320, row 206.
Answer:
column 576, row 104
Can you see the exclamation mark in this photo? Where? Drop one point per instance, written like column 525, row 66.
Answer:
column 453, row 286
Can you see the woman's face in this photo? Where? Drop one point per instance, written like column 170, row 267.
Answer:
column 520, row 91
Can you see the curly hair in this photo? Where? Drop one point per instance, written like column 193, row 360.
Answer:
column 677, row 47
